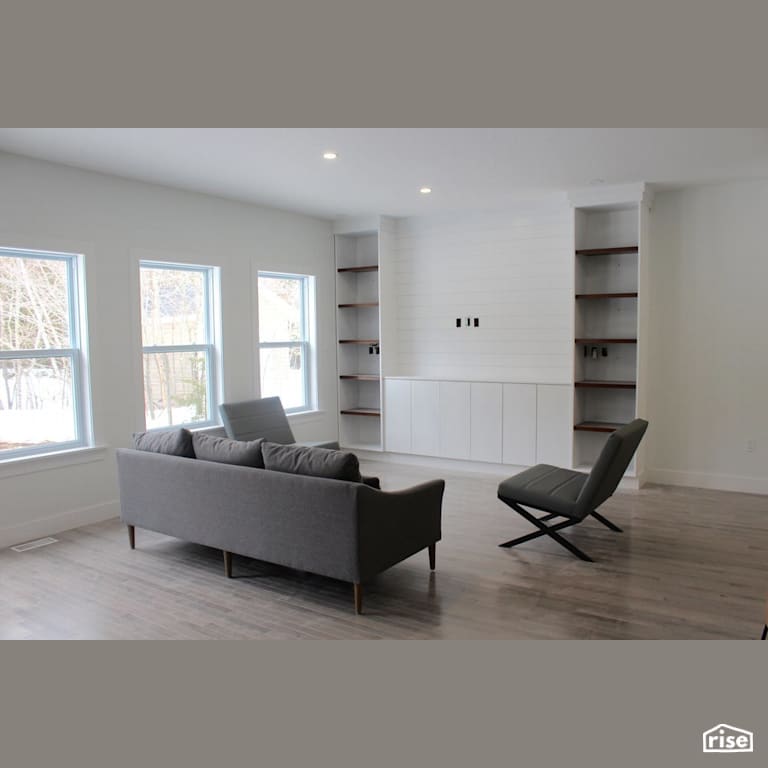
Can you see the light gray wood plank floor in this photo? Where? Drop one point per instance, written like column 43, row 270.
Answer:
column 690, row 564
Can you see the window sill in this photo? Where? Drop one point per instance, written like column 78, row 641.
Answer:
column 26, row 465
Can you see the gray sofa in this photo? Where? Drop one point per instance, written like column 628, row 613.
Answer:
column 344, row 530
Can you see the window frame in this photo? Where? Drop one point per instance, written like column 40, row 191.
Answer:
column 208, row 348
column 75, row 352
column 306, row 283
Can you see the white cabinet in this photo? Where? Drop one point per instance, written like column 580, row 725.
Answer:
column 425, row 417
column 485, row 422
column 397, row 421
column 454, row 428
column 519, row 425
column 554, row 425
column 493, row 422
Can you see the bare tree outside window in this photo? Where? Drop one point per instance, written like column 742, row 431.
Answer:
column 284, row 357
column 177, row 338
column 40, row 361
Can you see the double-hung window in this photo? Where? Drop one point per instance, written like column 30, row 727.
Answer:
column 42, row 373
column 285, row 359
column 178, row 345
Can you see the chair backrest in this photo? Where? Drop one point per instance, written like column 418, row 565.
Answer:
column 611, row 465
column 252, row 419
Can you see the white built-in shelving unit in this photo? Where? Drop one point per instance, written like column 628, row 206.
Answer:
column 384, row 404
column 358, row 336
column 611, row 253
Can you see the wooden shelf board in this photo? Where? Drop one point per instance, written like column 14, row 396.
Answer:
column 359, row 304
column 370, row 268
column 606, row 341
column 360, row 376
column 606, row 295
column 597, row 426
column 606, row 251
column 370, row 342
column 376, row 412
column 597, row 384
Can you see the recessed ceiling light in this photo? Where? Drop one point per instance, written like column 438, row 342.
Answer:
column 425, row 190
column 329, row 155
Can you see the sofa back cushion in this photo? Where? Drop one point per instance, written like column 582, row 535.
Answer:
column 174, row 442
column 227, row 451
column 308, row 460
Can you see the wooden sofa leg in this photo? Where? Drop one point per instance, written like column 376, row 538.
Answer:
column 432, row 556
column 228, row 564
column 132, row 536
column 358, row 598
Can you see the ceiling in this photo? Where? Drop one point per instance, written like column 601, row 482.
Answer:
column 381, row 170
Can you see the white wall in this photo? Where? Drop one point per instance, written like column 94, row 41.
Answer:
column 114, row 222
column 708, row 327
column 512, row 269
column 709, row 337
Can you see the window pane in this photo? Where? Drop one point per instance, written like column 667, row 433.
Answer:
column 34, row 303
column 172, row 307
column 175, row 388
column 36, row 402
column 281, row 310
column 282, row 374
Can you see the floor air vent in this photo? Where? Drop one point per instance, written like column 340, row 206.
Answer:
column 34, row 544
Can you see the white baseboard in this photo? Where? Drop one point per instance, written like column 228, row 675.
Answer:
column 715, row 482
column 64, row 521
column 501, row 471
column 454, row 465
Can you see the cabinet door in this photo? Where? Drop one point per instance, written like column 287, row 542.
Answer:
column 397, row 415
column 425, row 422
column 485, row 422
column 454, row 419
column 519, row 441
column 554, row 425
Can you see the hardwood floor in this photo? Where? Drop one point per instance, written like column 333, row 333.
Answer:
column 690, row 564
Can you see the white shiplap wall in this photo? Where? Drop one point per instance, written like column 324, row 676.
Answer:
column 512, row 269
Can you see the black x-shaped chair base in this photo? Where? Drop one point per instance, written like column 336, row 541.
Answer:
column 551, row 530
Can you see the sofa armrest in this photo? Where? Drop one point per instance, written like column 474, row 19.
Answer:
column 394, row 525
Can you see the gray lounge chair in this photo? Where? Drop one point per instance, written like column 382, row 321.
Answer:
column 265, row 418
column 571, row 495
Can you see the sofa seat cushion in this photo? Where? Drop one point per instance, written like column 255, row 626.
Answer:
column 307, row 460
column 227, row 451
column 545, row 487
column 174, row 442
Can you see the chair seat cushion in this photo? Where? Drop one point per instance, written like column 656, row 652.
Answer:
column 545, row 487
